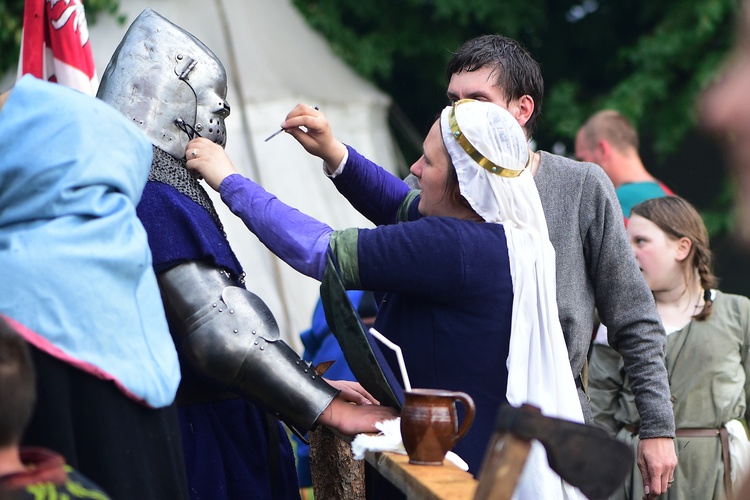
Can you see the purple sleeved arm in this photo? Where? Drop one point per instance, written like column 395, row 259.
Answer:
column 373, row 191
column 296, row 238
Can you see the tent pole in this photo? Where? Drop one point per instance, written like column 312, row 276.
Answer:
column 254, row 167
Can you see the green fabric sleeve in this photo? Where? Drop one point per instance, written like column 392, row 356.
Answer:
column 343, row 244
column 403, row 210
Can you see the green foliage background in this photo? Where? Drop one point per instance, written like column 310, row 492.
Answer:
column 649, row 60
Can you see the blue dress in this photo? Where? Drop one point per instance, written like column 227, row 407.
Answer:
column 447, row 303
column 447, row 294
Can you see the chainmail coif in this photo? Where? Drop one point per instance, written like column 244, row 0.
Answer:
column 167, row 169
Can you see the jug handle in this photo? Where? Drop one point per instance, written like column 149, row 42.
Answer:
column 468, row 416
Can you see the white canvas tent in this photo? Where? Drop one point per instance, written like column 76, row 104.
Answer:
column 274, row 60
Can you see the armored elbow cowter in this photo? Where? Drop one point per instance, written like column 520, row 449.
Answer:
column 230, row 337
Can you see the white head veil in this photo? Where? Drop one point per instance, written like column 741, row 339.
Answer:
column 490, row 153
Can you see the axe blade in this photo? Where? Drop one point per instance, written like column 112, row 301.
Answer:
column 583, row 455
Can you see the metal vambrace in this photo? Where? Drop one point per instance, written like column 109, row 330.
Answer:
column 230, row 336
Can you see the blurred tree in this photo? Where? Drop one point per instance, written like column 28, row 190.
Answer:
column 648, row 59
column 11, row 25
column 404, row 45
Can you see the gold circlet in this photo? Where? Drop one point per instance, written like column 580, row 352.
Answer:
column 475, row 155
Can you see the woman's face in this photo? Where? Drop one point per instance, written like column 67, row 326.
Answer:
column 432, row 171
column 658, row 256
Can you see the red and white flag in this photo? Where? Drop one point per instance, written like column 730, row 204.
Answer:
column 55, row 44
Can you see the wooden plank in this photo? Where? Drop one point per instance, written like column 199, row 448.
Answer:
column 423, row 482
column 502, row 467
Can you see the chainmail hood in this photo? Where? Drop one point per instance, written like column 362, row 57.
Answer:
column 167, row 169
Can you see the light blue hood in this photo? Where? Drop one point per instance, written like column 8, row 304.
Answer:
column 74, row 259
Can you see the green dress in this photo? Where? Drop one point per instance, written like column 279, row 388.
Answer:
column 709, row 376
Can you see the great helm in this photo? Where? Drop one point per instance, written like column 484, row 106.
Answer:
column 168, row 82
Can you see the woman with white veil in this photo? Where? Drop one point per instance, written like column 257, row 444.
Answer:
column 463, row 266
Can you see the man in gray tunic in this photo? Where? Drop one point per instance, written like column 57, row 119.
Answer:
column 595, row 265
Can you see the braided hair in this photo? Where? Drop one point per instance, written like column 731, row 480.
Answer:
column 679, row 219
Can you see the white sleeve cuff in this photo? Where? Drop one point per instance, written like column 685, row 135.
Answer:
column 339, row 169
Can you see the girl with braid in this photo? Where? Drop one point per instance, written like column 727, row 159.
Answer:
column 707, row 355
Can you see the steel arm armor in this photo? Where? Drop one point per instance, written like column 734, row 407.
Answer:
column 230, row 336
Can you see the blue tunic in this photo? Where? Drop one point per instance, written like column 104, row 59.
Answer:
column 633, row 193
column 226, row 443
column 448, row 305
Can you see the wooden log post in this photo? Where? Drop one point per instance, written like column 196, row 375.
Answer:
column 335, row 473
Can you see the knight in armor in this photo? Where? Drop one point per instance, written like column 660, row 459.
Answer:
column 239, row 378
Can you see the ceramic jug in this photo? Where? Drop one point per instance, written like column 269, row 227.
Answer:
column 429, row 423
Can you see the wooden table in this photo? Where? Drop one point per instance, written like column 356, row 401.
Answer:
column 336, row 474
column 428, row 482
